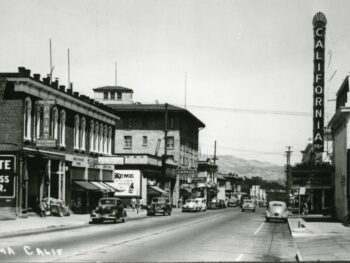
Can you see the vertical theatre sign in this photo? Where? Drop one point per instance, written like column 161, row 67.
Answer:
column 319, row 23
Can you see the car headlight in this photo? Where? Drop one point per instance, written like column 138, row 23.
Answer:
column 267, row 213
column 285, row 214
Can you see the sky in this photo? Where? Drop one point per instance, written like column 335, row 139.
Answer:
column 249, row 63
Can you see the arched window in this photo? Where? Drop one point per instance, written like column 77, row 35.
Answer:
column 62, row 139
column 38, row 121
column 109, row 151
column 96, row 137
column 54, row 123
column 101, row 139
column 92, row 125
column 76, row 131
column 105, row 135
column 27, row 118
column 82, row 134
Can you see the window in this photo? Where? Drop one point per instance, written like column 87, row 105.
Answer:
column 76, row 131
column 82, row 134
column 96, row 137
column 170, row 142
column 112, row 95
column 27, row 118
column 170, row 123
column 38, row 121
column 127, row 123
column 144, row 140
column 105, row 95
column 92, row 126
column 127, row 142
column 54, row 123
column 62, row 139
column 109, row 151
column 101, row 139
column 119, row 96
column 105, row 143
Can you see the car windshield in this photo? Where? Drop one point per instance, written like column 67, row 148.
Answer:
column 276, row 204
column 190, row 201
column 107, row 202
column 248, row 201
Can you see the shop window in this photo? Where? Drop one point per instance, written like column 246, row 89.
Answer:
column 105, row 143
column 144, row 141
column 170, row 142
column 119, row 96
column 127, row 142
column 109, row 151
column 101, row 139
column 82, row 134
column 62, row 139
column 76, row 132
column 112, row 95
column 27, row 118
column 105, row 95
column 54, row 123
column 92, row 125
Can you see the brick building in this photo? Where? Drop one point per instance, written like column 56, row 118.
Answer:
column 140, row 139
column 55, row 136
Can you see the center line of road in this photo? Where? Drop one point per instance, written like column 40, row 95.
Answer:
column 259, row 228
column 239, row 257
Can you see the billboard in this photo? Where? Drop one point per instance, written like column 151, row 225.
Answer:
column 127, row 183
column 7, row 176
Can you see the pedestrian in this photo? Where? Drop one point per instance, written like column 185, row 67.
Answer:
column 305, row 208
column 141, row 204
column 43, row 206
column 179, row 203
column 133, row 203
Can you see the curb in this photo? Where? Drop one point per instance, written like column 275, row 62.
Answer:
column 54, row 228
column 298, row 256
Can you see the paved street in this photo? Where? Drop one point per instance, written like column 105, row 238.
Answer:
column 220, row 235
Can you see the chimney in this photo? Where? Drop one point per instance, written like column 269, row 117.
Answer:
column 36, row 77
column 92, row 101
column 21, row 71
column 55, row 83
column 69, row 91
column 76, row 94
column 47, row 80
column 62, row 88
column 27, row 73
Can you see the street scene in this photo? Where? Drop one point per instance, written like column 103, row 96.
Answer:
column 174, row 131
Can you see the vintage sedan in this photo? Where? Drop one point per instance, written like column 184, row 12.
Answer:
column 109, row 209
column 191, row 205
column 277, row 210
column 248, row 204
column 159, row 205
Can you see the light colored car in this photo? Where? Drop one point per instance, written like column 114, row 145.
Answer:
column 191, row 205
column 248, row 204
column 202, row 204
column 277, row 210
column 232, row 202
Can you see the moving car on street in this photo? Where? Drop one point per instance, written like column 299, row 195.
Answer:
column 232, row 202
column 159, row 205
column 191, row 205
column 109, row 208
column 248, row 204
column 277, row 210
column 202, row 204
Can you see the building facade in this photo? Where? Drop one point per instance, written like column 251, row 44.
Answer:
column 55, row 136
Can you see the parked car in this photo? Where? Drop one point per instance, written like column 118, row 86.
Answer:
column 109, row 208
column 159, row 205
column 277, row 210
column 58, row 208
column 232, row 202
column 262, row 203
column 221, row 203
column 191, row 205
column 248, row 204
column 214, row 204
column 202, row 204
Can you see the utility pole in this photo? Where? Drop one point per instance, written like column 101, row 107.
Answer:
column 288, row 170
column 68, row 57
column 215, row 152
column 164, row 157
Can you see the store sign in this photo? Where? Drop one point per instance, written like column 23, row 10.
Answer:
column 92, row 163
column 45, row 140
column 302, row 190
column 199, row 179
column 7, row 176
column 127, row 182
column 319, row 24
column 42, row 143
column 184, row 171
column 115, row 160
column 78, row 161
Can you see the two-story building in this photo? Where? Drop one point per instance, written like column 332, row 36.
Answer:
column 52, row 137
column 147, row 133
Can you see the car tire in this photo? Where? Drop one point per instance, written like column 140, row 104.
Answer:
column 124, row 220
column 115, row 221
column 169, row 213
column 253, row 210
column 164, row 214
column 267, row 219
column 242, row 210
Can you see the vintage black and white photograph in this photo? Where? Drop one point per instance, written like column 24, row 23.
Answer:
column 174, row 130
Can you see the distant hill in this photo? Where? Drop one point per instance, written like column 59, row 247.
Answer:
column 250, row 168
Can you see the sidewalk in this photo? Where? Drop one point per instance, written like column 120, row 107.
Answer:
column 324, row 241
column 35, row 224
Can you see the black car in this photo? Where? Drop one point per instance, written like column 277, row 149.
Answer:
column 159, row 205
column 109, row 208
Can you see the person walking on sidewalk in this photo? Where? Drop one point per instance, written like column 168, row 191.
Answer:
column 43, row 206
column 133, row 203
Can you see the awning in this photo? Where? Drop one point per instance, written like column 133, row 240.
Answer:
column 100, row 186
column 111, row 189
column 200, row 185
column 156, row 190
column 87, row 185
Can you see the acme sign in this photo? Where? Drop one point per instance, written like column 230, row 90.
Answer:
column 319, row 24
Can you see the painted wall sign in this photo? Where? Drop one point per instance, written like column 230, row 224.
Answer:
column 7, row 176
column 45, row 140
column 319, row 24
